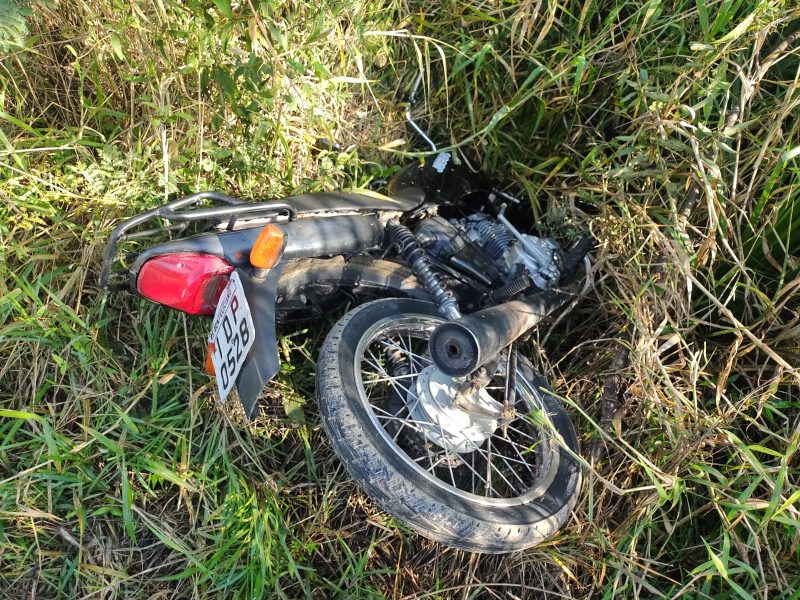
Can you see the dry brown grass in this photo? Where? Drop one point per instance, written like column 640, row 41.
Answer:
column 119, row 478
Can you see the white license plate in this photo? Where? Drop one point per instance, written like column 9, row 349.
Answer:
column 232, row 335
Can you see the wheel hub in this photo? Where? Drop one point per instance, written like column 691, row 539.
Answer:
column 453, row 422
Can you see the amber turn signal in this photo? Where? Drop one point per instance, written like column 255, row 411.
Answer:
column 267, row 249
column 210, row 363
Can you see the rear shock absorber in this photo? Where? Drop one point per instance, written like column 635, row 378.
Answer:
column 397, row 365
column 413, row 254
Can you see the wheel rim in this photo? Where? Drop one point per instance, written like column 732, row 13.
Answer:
column 513, row 465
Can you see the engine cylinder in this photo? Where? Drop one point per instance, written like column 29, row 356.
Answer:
column 496, row 238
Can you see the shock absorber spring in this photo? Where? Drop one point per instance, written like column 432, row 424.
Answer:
column 397, row 366
column 413, row 254
column 396, row 362
column 509, row 290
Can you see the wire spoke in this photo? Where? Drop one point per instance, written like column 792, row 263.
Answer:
column 522, row 459
column 514, row 460
column 375, row 365
column 410, row 422
column 527, row 435
column 436, row 464
column 401, row 391
column 497, row 463
column 498, row 471
column 474, row 472
column 449, row 464
column 412, row 355
column 489, row 470
column 488, row 456
column 390, row 378
column 408, row 352
column 430, row 456
column 513, row 471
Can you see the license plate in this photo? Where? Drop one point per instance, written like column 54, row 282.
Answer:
column 232, row 335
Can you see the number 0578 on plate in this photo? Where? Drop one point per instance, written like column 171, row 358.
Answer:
column 232, row 335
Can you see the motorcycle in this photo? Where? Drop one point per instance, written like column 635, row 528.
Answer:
column 421, row 388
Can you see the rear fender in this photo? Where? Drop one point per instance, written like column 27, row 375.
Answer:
column 262, row 363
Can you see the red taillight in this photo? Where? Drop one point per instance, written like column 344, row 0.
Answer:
column 189, row 282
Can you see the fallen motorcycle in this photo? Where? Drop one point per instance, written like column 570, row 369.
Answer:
column 421, row 389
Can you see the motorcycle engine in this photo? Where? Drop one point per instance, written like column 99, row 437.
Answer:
column 490, row 251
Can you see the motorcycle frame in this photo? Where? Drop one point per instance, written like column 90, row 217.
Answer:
column 318, row 226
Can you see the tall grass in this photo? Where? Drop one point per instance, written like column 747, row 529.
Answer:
column 120, row 477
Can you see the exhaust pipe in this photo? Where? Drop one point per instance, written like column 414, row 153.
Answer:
column 462, row 346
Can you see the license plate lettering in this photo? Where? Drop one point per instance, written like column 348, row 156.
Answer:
column 223, row 376
column 226, row 328
column 231, row 360
column 232, row 335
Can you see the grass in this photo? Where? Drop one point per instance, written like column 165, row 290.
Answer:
column 120, row 477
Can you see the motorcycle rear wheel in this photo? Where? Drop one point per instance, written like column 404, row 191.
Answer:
column 456, row 476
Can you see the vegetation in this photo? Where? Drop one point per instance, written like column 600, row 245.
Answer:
column 119, row 474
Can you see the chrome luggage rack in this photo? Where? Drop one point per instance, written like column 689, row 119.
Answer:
column 180, row 214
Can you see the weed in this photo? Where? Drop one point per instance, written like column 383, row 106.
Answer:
column 121, row 477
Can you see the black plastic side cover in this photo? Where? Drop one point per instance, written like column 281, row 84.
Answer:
column 262, row 362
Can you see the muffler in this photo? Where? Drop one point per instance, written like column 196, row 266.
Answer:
column 462, row 346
